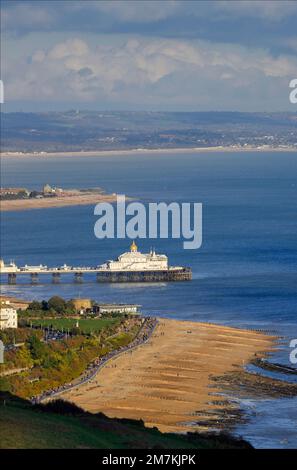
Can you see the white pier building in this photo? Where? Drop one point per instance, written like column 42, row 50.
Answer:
column 133, row 260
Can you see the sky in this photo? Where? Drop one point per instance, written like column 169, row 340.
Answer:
column 148, row 55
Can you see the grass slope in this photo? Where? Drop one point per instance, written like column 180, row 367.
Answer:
column 61, row 425
column 85, row 325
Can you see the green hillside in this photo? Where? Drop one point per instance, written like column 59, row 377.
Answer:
column 61, row 425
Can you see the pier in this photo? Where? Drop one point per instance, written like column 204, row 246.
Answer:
column 101, row 274
column 12, row 271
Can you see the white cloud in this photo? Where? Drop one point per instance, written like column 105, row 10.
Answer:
column 70, row 48
column 148, row 71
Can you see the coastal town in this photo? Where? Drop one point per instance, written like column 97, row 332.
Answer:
column 51, row 133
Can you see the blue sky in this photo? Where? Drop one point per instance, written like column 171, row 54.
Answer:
column 148, row 55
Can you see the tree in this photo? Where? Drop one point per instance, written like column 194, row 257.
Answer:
column 36, row 347
column 44, row 305
column 35, row 305
column 70, row 307
column 57, row 304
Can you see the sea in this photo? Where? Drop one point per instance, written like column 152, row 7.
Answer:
column 244, row 273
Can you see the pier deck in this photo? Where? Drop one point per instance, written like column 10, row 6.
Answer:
column 101, row 275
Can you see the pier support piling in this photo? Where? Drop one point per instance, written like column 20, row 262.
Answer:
column 34, row 278
column 11, row 278
column 78, row 278
column 56, row 277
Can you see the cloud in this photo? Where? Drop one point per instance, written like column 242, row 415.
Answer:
column 274, row 10
column 154, row 11
column 158, row 16
column 75, row 47
column 291, row 43
column 155, row 72
column 144, row 11
column 26, row 16
column 270, row 24
column 130, row 54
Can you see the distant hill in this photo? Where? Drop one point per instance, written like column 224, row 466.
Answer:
column 94, row 130
column 62, row 425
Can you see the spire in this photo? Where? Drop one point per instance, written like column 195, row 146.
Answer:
column 133, row 247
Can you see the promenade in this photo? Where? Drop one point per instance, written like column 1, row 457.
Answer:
column 143, row 335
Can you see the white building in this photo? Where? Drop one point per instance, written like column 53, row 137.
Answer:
column 47, row 189
column 8, row 316
column 34, row 269
column 117, row 308
column 133, row 260
column 8, row 268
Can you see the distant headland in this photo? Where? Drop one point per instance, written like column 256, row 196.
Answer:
column 16, row 199
column 94, row 133
column 148, row 151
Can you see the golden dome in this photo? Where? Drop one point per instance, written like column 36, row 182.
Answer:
column 133, row 247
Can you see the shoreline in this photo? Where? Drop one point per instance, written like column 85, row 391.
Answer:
column 47, row 203
column 142, row 151
column 169, row 382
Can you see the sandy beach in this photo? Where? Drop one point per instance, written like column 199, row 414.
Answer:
column 168, row 382
column 77, row 200
column 144, row 151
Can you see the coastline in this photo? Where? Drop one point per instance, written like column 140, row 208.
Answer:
column 142, row 151
column 168, row 382
column 142, row 337
column 47, row 203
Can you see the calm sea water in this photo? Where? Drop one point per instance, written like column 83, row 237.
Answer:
column 244, row 275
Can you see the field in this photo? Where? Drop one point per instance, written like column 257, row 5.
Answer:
column 85, row 325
